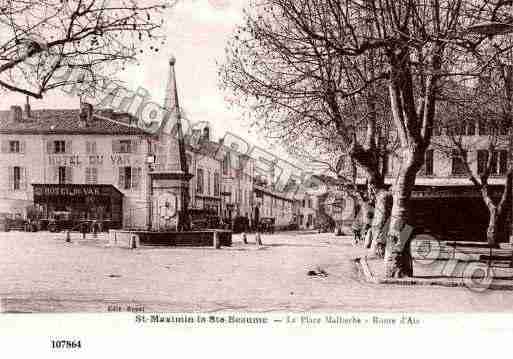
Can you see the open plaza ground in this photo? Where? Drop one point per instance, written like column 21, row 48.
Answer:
column 42, row 273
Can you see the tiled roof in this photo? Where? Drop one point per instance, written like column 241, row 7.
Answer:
column 67, row 122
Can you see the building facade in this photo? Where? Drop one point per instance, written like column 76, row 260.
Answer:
column 443, row 192
column 44, row 152
column 96, row 164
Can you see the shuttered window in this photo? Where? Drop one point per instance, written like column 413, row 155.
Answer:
column 503, row 162
column 13, row 146
column 482, row 160
column 498, row 163
column 91, row 175
column 125, row 146
column 428, row 163
column 90, row 147
column 136, row 178
column 130, row 178
column 216, row 184
column 199, row 181
column 17, row 178
column 62, row 175
column 209, row 190
column 458, row 163
column 59, row 146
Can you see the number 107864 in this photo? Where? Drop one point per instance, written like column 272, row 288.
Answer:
column 66, row 344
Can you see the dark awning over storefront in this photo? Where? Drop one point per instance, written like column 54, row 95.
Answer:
column 76, row 190
column 84, row 201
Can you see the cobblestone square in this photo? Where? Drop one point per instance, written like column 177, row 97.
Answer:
column 43, row 273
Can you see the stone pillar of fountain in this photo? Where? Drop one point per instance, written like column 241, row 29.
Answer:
column 170, row 178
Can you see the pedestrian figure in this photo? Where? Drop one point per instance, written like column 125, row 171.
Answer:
column 83, row 228
column 357, row 228
column 258, row 238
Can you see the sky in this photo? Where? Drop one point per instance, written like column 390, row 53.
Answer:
column 197, row 31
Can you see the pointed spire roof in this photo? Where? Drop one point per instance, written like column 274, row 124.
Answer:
column 172, row 105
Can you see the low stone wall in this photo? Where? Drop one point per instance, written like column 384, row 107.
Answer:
column 134, row 239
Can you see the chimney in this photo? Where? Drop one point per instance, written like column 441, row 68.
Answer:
column 27, row 108
column 86, row 114
column 16, row 114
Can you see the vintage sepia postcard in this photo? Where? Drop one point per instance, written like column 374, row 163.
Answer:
column 220, row 167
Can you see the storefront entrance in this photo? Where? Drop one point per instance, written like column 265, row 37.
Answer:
column 455, row 213
column 79, row 202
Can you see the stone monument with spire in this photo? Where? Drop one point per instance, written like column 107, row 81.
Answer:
column 170, row 179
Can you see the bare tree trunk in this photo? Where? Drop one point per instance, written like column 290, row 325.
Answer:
column 493, row 226
column 398, row 261
column 380, row 223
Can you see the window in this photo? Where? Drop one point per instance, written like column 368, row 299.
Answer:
column 125, row 146
column 14, row 147
column 91, row 175
column 199, row 181
column 226, row 163
column 471, row 129
column 59, row 146
column 498, row 163
column 437, row 130
column 459, row 163
column 209, row 191
column 216, row 184
column 503, row 160
column 464, row 128
column 483, row 128
column 428, row 163
column 128, row 177
column 90, row 147
column 384, row 161
column 16, row 178
column 62, row 174
column 503, row 128
column 482, row 161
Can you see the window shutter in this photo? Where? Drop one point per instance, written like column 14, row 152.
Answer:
column 93, row 147
column 88, row 173
column 88, row 149
column 11, row 177
column 22, row 146
column 69, row 174
column 68, row 147
column 49, row 147
column 494, row 166
column 94, row 175
column 121, row 178
column 23, row 179
column 136, row 178
column 482, row 159
column 134, row 146
column 5, row 146
column 115, row 146
column 503, row 160
column 56, row 174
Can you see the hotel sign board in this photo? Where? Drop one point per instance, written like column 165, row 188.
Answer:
column 46, row 190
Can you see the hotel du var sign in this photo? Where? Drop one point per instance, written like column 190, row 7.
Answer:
column 77, row 160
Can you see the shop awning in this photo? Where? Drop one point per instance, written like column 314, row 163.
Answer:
column 76, row 190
